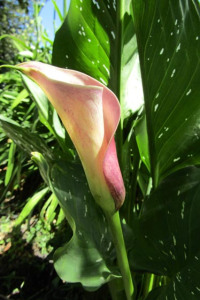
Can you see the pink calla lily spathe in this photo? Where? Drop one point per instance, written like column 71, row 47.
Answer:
column 90, row 113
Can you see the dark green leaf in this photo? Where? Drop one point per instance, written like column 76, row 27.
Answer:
column 27, row 141
column 168, row 34
column 90, row 248
column 165, row 235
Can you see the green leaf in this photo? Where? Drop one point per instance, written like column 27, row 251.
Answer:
column 10, row 165
column 44, row 208
column 19, row 43
column 43, row 165
column 90, row 269
column 21, row 96
column 51, row 210
column 165, row 235
column 142, row 139
column 31, row 203
column 168, row 38
column 27, row 141
column 90, row 248
column 83, row 43
column 130, row 163
column 61, row 217
column 10, row 94
column 57, row 10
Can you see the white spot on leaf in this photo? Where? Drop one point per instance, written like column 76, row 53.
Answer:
column 86, row 210
column 107, row 70
column 109, row 246
column 182, row 212
column 156, row 107
column 96, row 4
column 176, row 159
column 161, row 51
column 113, row 34
column 188, row 92
column 178, row 47
column 173, row 72
column 102, row 80
column 114, row 5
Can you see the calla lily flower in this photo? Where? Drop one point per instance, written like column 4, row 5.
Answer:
column 90, row 113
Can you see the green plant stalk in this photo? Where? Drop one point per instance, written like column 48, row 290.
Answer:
column 113, row 290
column 122, row 259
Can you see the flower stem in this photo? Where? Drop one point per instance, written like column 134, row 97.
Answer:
column 122, row 259
column 115, row 295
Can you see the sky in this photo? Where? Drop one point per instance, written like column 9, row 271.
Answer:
column 47, row 15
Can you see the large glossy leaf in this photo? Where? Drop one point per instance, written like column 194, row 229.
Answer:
column 93, row 40
column 168, row 35
column 84, row 40
column 166, row 235
column 88, row 257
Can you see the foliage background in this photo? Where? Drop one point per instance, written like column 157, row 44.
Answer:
column 160, row 160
